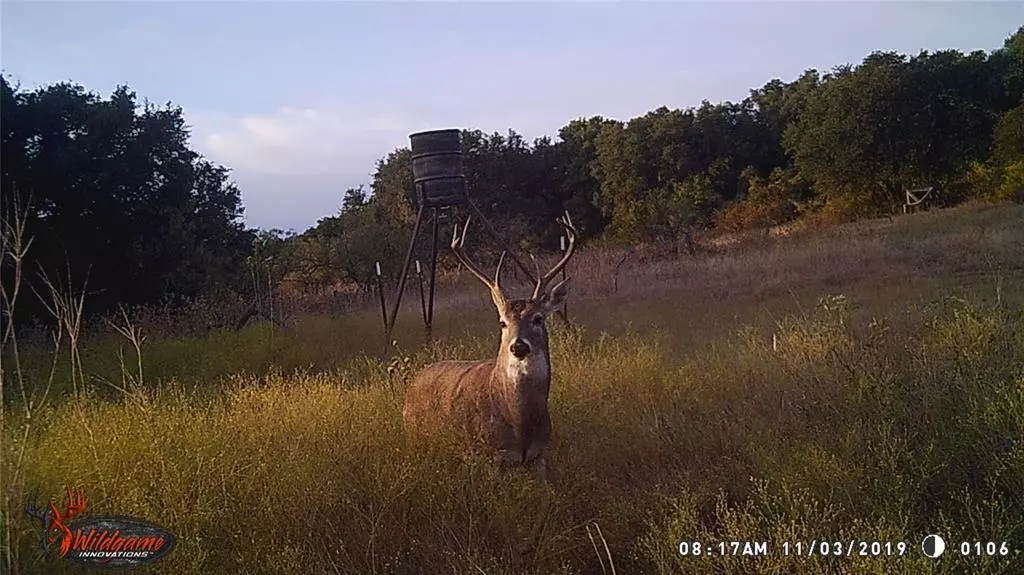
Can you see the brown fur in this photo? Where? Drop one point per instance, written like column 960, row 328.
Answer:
column 501, row 404
column 503, row 409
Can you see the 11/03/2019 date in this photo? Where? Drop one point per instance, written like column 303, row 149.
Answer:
column 814, row 547
column 850, row 548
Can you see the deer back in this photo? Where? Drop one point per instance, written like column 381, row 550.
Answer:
column 449, row 392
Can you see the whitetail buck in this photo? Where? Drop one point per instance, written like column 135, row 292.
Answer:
column 501, row 403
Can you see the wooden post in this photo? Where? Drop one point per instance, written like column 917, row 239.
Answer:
column 390, row 325
column 565, row 306
column 433, row 275
column 423, row 299
column 383, row 308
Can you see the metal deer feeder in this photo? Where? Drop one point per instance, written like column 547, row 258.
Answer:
column 440, row 182
column 437, row 169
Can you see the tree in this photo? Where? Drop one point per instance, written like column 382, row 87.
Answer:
column 1002, row 176
column 116, row 195
column 678, row 166
column 892, row 123
column 579, row 188
column 1009, row 61
column 353, row 199
column 116, row 191
column 1008, row 137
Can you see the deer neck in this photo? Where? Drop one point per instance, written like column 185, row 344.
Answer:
column 523, row 383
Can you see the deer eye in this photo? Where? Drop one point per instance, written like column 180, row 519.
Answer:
column 537, row 319
column 503, row 324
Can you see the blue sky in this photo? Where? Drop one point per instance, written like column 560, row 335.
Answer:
column 300, row 99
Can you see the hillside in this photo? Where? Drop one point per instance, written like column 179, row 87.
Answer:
column 864, row 382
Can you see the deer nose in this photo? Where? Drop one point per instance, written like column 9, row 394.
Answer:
column 520, row 348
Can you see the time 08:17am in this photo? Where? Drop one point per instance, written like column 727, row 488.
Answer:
column 723, row 548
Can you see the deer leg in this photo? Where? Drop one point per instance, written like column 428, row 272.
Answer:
column 536, row 459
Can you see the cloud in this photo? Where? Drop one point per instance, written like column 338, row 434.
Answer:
column 293, row 164
column 302, row 141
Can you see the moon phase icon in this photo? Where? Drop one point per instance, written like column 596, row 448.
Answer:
column 933, row 546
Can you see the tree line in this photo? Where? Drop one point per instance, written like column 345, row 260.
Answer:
column 111, row 190
column 837, row 146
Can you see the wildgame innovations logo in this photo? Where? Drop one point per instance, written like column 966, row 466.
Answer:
column 109, row 542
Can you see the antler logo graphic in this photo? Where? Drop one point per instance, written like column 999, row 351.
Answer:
column 55, row 521
column 109, row 542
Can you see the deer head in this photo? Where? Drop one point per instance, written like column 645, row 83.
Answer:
column 523, row 321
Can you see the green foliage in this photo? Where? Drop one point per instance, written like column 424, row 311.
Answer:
column 115, row 196
column 1008, row 139
column 671, row 170
column 999, row 183
column 827, row 147
column 517, row 185
column 830, row 423
column 1012, row 187
column 892, row 123
column 1011, row 59
column 577, row 152
column 1001, row 178
column 777, row 200
column 837, row 147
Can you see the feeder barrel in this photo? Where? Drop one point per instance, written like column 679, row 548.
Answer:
column 437, row 167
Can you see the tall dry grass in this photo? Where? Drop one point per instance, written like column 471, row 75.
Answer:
column 716, row 398
column 843, row 431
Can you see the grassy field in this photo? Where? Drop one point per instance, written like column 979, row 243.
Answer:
column 859, row 383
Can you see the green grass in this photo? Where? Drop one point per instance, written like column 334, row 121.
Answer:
column 890, row 406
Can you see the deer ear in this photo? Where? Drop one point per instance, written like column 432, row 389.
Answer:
column 555, row 299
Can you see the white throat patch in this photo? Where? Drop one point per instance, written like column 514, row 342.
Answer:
column 533, row 366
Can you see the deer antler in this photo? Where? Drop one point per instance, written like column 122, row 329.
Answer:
column 570, row 231
column 76, row 503
column 458, row 242
column 37, row 511
column 45, row 516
